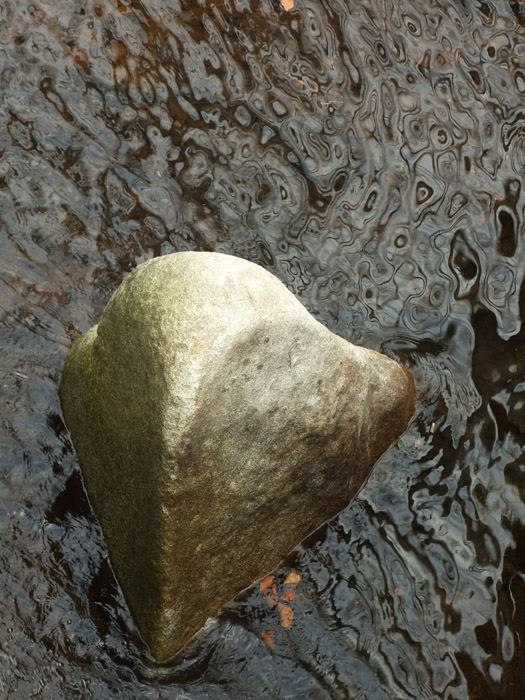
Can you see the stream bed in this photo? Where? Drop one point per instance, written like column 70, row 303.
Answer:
column 371, row 154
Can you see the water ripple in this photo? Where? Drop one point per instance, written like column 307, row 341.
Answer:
column 369, row 154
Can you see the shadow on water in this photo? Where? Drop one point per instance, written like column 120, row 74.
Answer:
column 371, row 155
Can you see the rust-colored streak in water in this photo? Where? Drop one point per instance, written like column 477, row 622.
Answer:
column 371, row 154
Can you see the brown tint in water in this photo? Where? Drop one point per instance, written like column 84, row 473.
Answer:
column 371, row 155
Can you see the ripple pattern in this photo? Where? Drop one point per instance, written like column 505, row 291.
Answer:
column 371, row 155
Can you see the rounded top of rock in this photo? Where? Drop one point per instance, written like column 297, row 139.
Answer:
column 223, row 293
column 217, row 279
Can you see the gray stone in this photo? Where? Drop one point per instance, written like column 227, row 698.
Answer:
column 217, row 423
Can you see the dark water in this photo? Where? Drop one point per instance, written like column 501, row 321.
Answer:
column 371, row 155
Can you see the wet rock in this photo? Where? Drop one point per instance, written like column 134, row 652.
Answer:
column 216, row 424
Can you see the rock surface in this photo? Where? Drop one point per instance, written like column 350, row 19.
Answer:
column 217, row 423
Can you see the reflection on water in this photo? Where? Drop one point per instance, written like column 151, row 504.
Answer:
column 371, row 155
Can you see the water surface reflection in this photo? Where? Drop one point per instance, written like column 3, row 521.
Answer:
column 370, row 154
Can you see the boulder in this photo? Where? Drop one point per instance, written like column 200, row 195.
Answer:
column 217, row 423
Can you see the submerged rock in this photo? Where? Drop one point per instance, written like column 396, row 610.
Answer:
column 217, row 423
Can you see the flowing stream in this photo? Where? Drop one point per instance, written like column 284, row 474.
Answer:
column 371, row 154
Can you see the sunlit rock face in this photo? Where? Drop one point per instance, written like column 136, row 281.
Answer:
column 217, row 423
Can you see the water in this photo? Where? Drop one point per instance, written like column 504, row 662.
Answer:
column 371, row 155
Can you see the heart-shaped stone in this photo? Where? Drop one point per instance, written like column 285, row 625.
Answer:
column 217, row 423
